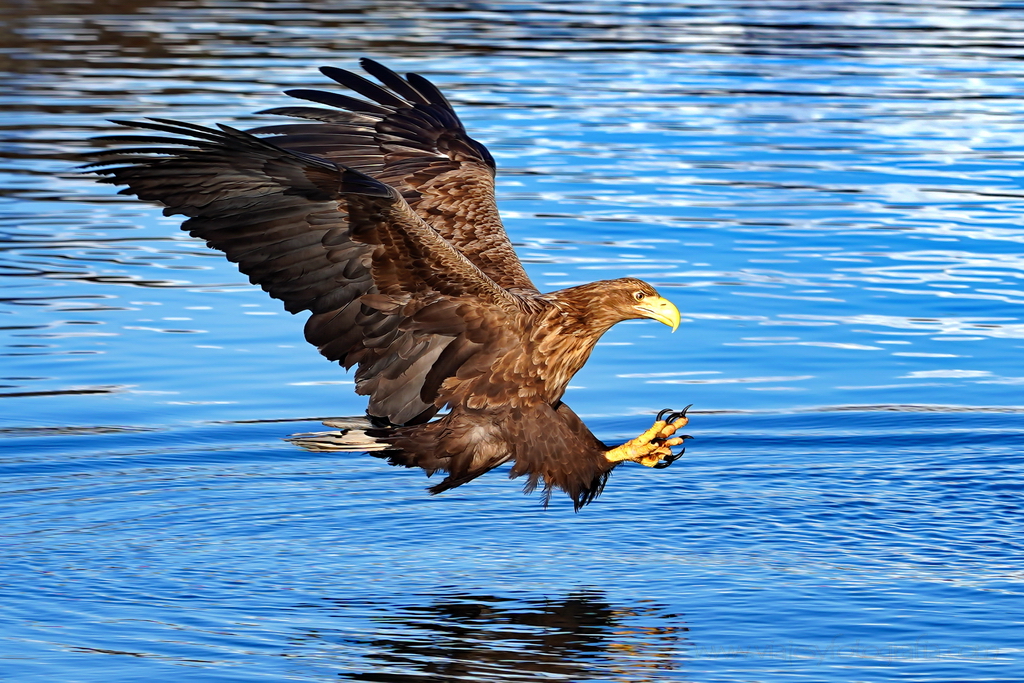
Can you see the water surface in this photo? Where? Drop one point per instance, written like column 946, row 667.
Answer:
column 830, row 192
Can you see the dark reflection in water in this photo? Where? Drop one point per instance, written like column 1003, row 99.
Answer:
column 580, row 636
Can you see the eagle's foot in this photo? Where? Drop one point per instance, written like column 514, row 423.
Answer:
column 653, row 448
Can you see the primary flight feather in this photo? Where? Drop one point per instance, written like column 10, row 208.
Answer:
column 378, row 217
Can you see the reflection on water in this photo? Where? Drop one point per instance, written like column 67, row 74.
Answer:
column 479, row 637
column 831, row 193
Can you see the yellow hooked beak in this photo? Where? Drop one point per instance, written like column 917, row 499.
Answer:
column 659, row 309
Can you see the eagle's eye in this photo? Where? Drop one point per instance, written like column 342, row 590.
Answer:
column 639, row 296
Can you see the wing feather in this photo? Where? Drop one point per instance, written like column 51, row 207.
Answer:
column 363, row 86
column 407, row 134
column 393, row 81
column 327, row 239
column 337, row 100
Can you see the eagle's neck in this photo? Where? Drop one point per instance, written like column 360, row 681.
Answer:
column 566, row 333
column 584, row 312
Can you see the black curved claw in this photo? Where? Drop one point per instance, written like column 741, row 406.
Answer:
column 682, row 413
column 675, row 416
column 662, row 414
column 669, row 459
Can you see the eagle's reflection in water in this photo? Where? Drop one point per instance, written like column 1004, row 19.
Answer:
column 580, row 636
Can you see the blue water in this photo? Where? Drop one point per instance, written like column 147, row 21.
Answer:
column 830, row 192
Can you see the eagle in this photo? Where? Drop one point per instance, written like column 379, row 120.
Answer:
column 377, row 215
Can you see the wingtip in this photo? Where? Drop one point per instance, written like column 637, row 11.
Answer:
column 333, row 72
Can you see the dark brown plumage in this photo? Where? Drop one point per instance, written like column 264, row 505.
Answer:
column 379, row 218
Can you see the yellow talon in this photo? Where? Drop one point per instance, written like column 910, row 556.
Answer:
column 650, row 447
column 670, row 428
column 637, row 448
column 654, row 457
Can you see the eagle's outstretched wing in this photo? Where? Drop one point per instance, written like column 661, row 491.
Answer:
column 386, row 291
column 409, row 136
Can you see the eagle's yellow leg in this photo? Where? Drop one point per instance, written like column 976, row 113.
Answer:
column 654, row 444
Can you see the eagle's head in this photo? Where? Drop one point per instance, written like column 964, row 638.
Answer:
column 599, row 305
